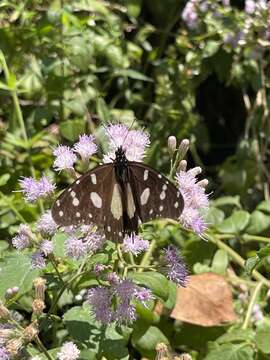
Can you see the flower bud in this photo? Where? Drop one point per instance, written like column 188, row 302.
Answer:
column 38, row 306
column 183, row 148
column 185, row 357
column 4, row 312
column 30, row 332
column 162, row 351
column 39, row 285
column 182, row 166
column 14, row 346
column 172, row 143
column 11, row 292
column 196, row 170
column 203, row 183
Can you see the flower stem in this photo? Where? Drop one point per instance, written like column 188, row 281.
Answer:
column 52, row 260
column 251, row 304
column 147, row 256
column 42, row 348
column 13, row 208
column 237, row 258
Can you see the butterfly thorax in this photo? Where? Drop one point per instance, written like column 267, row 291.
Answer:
column 121, row 166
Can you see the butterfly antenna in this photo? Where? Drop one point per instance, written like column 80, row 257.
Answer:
column 128, row 130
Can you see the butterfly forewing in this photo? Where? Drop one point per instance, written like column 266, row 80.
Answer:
column 155, row 195
column 85, row 200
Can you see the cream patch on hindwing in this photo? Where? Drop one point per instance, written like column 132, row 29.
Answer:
column 96, row 200
column 75, row 202
column 61, row 213
column 164, row 187
column 162, row 195
column 151, row 211
column 176, row 204
column 94, row 179
column 161, row 208
column 116, row 204
column 145, row 175
column 57, row 203
column 145, row 196
column 78, row 214
column 130, row 202
column 109, row 228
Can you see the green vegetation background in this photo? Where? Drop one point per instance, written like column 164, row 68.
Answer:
column 68, row 66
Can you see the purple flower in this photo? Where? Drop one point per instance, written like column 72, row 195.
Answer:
column 4, row 354
column 99, row 268
column 36, row 189
column 195, row 200
column 100, row 300
column 46, row 224
column 68, row 351
column 23, row 239
column 250, row 6
column 125, row 313
column 46, row 247
column 143, row 295
column 85, row 147
column 125, row 290
column 113, row 278
column 133, row 142
column 134, row 244
column 38, row 260
column 189, row 15
column 257, row 314
column 94, row 241
column 75, row 247
column 65, row 158
column 175, row 267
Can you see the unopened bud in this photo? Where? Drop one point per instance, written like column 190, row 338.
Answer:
column 172, row 143
column 11, row 292
column 30, row 332
column 203, row 183
column 4, row 312
column 183, row 148
column 196, row 171
column 38, row 306
column 185, row 357
column 14, row 346
column 162, row 351
column 39, row 285
column 5, row 334
column 182, row 165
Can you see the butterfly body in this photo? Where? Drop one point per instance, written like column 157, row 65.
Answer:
column 116, row 196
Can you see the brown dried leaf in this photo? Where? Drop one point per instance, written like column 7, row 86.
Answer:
column 206, row 301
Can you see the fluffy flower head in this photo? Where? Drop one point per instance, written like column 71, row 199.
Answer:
column 68, row 351
column 23, row 239
column 85, row 147
column 38, row 260
column 133, row 142
column 46, row 224
column 75, row 247
column 134, row 244
column 35, row 189
column 175, row 267
column 4, row 354
column 65, row 158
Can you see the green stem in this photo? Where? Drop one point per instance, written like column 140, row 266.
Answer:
column 12, row 207
column 246, row 237
column 42, row 348
column 147, row 256
column 251, row 304
column 52, row 260
column 237, row 258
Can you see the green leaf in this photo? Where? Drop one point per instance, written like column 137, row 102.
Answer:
column 240, row 351
column 236, row 223
column 237, row 335
column 103, row 111
column 214, row 216
column 71, row 129
column 251, row 263
column 228, row 201
column 264, row 206
column 154, row 281
column 210, row 48
column 4, row 179
column 16, row 271
column 59, row 244
column 145, row 338
column 133, row 74
column 220, row 262
column 259, row 222
column 133, row 7
column 262, row 340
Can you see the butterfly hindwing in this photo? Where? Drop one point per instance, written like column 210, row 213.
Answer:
column 84, row 201
column 155, row 195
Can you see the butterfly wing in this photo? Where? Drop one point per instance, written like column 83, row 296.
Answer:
column 155, row 196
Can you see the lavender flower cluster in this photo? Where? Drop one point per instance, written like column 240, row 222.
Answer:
column 117, row 303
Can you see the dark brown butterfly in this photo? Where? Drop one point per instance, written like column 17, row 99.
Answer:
column 115, row 196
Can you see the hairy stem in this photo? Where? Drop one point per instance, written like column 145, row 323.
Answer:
column 251, row 304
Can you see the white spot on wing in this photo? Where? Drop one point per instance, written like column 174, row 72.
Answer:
column 78, row 214
column 96, row 199
column 58, row 203
column 160, row 176
column 161, row 208
column 108, row 228
column 90, row 215
column 130, row 202
column 78, row 181
column 151, row 211
column 73, row 194
column 164, row 187
column 61, row 213
column 116, row 204
column 75, row 202
column 145, row 196
column 94, row 178
column 145, row 175
column 162, row 195
column 176, row 204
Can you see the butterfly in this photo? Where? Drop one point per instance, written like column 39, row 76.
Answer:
column 117, row 196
